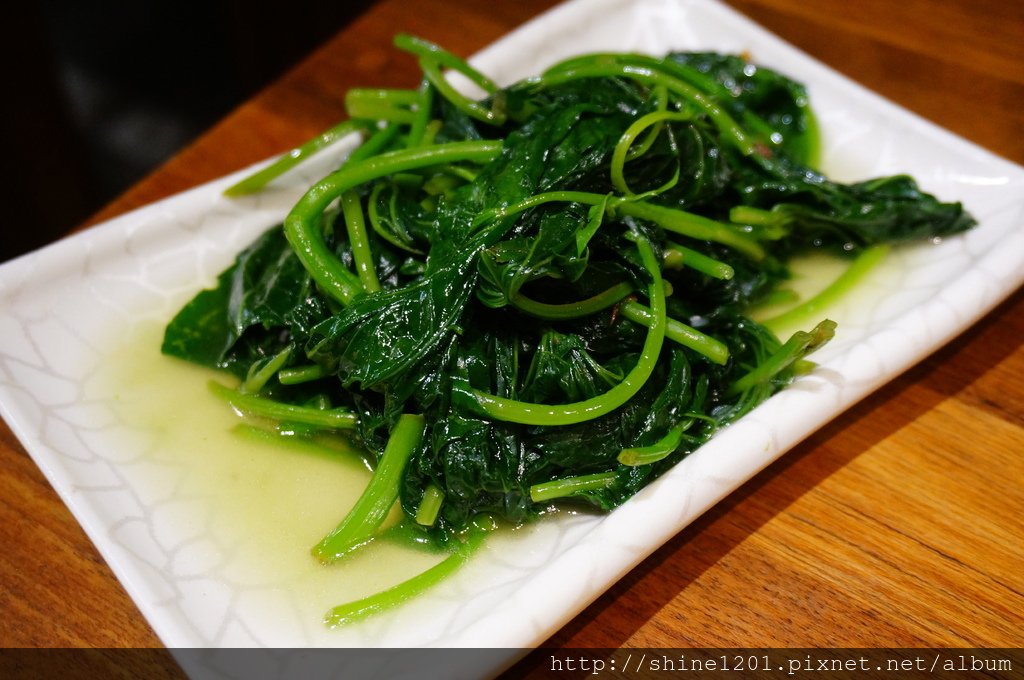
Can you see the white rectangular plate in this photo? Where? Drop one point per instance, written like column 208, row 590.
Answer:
column 64, row 309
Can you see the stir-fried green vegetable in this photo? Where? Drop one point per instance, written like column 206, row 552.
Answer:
column 541, row 295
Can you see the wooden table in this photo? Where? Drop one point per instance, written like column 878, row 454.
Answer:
column 899, row 524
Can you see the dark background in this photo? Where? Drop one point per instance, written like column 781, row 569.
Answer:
column 100, row 93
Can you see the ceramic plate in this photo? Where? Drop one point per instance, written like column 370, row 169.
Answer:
column 211, row 539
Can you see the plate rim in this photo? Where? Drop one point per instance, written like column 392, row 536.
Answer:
column 53, row 254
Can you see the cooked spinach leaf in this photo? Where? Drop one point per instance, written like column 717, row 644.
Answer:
column 540, row 297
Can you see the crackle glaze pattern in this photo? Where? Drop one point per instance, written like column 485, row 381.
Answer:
column 62, row 308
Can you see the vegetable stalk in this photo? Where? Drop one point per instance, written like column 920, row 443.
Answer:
column 302, row 227
column 276, row 410
column 359, row 610
column 256, row 181
column 380, row 494
column 500, row 408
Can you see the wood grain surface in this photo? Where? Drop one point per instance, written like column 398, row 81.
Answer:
column 899, row 524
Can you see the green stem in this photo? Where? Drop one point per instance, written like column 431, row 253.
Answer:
column 569, row 486
column 302, row 225
column 275, row 410
column 584, row 197
column 677, row 257
column 300, row 374
column 380, row 494
column 369, row 103
column 678, row 332
column 648, row 75
column 701, row 81
column 428, row 50
column 797, row 347
column 376, row 143
column 670, row 219
column 854, row 274
column 359, row 610
column 432, row 57
column 664, row 447
column 770, row 225
column 572, row 310
column 257, row 378
column 510, row 410
column 807, row 150
column 433, row 498
column 458, row 171
column 289, row 160
column 811, row 145
column 621, row 153
column 403, row 240
column 355, row 224
column 660, row 96
column 380, row 111
column 430, row 134
column 394, row 97
column 473, row 109
column 694, row 226
column 424, row 110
